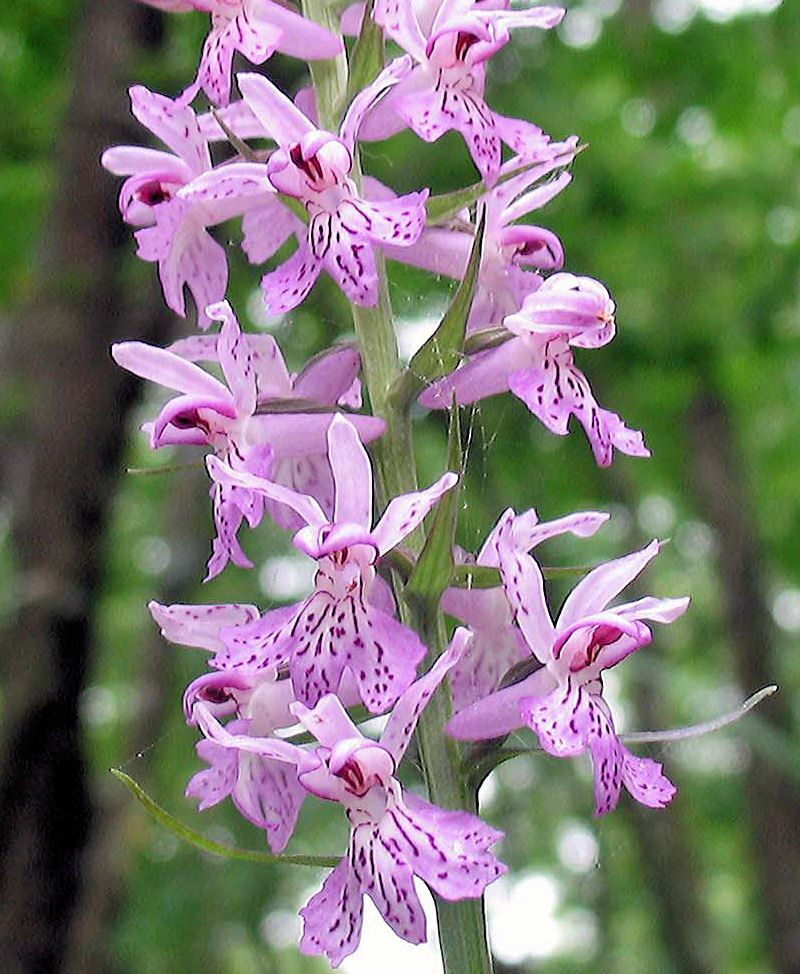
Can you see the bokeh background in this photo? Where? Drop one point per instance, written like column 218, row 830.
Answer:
column 687, row 205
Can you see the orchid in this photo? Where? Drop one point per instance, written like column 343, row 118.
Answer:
column 174, row 231
column 446, row 88
column 313, row 166
column 497, row 643
column 226, row 418
column 536, row 363
column 563, row 699
column 395, row 836
column 337, row 627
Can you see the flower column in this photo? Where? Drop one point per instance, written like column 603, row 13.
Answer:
column 462, row 924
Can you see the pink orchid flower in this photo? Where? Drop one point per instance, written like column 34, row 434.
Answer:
column 226, row 417
column 497, row 643
column 563, row 700
column 536, row 363
column 338, row 627
column 395, row 836
column 513, row 253
column 313, row 166
column 174, row 230
column 255, row 28
column 446, row 88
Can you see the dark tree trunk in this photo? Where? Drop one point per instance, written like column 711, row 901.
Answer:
column 773, row 798
column 62, row 467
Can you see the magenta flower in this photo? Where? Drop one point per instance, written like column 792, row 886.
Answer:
column 226, row 418
column 255, row 28
column 446, row 88
column 537, row 365
column 497, row 643
column 338, row 627
column 173, row 230
column 395, row 835
column 563, row 701
column 313, row 166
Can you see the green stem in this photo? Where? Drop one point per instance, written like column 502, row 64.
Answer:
column 462, row 927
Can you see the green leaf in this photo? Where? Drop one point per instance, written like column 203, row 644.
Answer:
column 433, row 571
column 446, row 206
column 442, row 351
column 367, row 57
column 186, row 834
column 476, row 576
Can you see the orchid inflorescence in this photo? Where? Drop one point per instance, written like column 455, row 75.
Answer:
column 361, row 643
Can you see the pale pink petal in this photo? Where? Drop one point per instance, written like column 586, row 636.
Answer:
column 604, row 583
column 175, row 124
column 524, row 588
column 288, row 285
column 485, row 374
column 352, row 474
column 499, row 714
column 329, row 375
column 253, row 644
column 398, row 21
column 448, row 849
column 213, row 784
column 225, row 547
column 304, row 505
column 300, row 37
column 369, row 96
column 200, row 625
column 167, row 369
column 266, row 227
column 400, row 726
column 404, row 513
column 269, row 794
column 328, row 721
column 332, row 917
column 227, row 35
column 235, row 358
column 281, row 119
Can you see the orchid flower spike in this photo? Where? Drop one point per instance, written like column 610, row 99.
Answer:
column 338, row 627
column 563, row 700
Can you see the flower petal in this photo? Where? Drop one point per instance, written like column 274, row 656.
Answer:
column 404, row 513
column 332, row 917
column 352, row 474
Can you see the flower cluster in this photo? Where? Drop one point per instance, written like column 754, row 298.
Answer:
column 294, row 447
